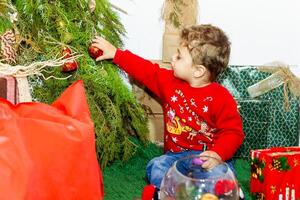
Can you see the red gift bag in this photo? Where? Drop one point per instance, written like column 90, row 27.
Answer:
column 275, row 173
column 48, row 151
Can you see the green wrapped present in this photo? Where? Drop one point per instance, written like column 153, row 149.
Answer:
column 271, row 118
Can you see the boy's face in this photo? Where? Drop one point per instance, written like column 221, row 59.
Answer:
column 182, row 63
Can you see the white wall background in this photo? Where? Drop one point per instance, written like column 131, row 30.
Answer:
column 143, row 25
column 260, row 31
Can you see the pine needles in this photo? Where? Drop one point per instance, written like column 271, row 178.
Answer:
column 45, row 27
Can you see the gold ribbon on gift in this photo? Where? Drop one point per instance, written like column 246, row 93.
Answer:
column 280, row 75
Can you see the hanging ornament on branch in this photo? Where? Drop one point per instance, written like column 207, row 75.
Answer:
column 70, row 65
column 95, row 52
column 7, row 42
column 66, row 52
column 35, row 68
column 8, row 38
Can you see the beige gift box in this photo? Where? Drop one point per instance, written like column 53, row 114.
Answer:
column 153, row 108
column 187, row 16
column 170, row 45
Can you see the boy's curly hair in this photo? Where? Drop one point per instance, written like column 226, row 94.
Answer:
column 208, row 46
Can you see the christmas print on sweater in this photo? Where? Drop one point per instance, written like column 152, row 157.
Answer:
column 194, row 117
column 181, row 112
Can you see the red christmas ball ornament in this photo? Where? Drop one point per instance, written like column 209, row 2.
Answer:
column 70, row 66
column 223, row 187
column 66, row 52
column 95, row 52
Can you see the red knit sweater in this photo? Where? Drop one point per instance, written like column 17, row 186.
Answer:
column 193, row 117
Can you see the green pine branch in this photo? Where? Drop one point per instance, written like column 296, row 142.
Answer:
column 52, row 24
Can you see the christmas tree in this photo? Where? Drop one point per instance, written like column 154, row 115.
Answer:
column 43, row 30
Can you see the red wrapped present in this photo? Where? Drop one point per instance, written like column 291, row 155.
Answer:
column 275, row 173
column 8, row 88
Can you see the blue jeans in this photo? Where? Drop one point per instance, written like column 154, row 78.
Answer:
column 159, row 166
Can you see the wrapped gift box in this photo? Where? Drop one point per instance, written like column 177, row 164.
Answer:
column 15, row 90
column 187, row 15
column 8, row 88
column 275, row 173
column 266, row 122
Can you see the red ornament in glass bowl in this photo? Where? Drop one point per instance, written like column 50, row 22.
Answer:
column 187, row 179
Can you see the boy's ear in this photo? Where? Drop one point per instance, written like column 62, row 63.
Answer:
column 199, row 71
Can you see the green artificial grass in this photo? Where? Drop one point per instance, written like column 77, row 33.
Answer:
column 126, row 180
column 242, row 168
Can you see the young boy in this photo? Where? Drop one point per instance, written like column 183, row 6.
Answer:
column 200, row 116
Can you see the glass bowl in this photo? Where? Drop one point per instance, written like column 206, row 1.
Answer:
column 187, row 180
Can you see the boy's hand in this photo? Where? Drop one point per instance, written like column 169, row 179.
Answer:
column 108, row 49
column 209, row 162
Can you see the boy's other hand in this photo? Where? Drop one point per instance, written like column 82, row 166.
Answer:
column 210, row 162
column 108, row 49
